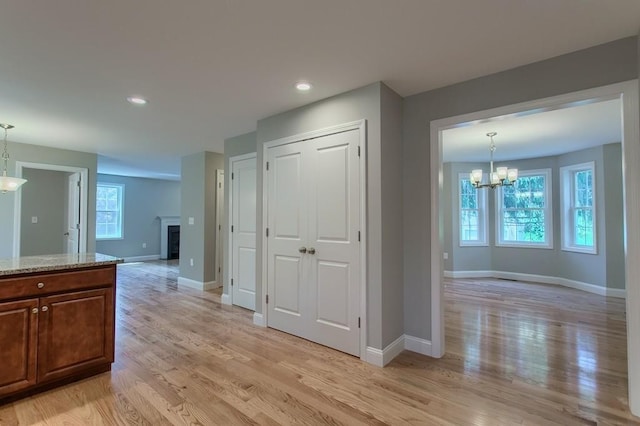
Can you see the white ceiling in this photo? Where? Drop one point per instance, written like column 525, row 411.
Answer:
column 212, row 68
column 536, row 134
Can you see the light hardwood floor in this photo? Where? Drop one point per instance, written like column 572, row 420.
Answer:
column 517, row 353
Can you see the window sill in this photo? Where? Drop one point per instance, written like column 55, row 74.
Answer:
column 525, row 246
column 580, row 250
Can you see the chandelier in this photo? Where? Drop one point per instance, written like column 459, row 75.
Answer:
column 8, row 183
column 502, row 176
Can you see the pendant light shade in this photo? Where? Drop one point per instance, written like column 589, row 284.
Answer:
column 8, row 183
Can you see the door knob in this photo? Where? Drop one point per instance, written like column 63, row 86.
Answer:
column 312, row 250
column 66, row 233
column 302, row 250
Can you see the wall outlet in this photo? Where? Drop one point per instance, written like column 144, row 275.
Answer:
column 144, row 245
column 191, row 262
column 445, row 256
column 191, row 221
column 34, row 219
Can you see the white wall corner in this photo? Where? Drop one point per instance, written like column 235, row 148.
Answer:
column 416, row 344
column 383, row 357
column 225, row 299
column 258, row 319
column 186, row 282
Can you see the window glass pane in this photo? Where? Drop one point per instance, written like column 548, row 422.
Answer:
column 109, row 211
column 523, row 210
column 469, row 212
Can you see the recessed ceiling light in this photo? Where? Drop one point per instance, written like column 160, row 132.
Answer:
column 303, row 86
column 137, row 100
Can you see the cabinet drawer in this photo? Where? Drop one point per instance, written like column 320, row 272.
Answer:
column 43, row 284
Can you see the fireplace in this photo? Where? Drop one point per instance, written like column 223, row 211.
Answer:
column 173, row 242
column 165, row 223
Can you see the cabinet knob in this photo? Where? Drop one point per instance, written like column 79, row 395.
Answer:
column 312, row 250
column 302, row 250
column 34, row 310
column 45, row 308
column 40, row 285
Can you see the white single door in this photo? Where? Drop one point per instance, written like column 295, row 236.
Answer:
column 72, row 234
column 219, row 222
column 243, row 235
column 313, row 268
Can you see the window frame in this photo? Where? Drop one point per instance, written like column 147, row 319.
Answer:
column 548, row 213
column 121, row 188
column 567, row 202
column 483, row 217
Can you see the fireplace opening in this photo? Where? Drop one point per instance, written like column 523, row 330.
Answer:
column 173, row 242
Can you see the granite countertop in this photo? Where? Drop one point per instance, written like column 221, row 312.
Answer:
column 54, row 262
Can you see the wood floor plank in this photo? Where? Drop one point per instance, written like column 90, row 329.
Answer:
column 516, row 354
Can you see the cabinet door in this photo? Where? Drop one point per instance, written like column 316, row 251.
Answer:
column 75, row 333
column 18, row 334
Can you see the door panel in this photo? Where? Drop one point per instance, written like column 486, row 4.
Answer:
column 332, row 195
column 243, row 237
column 18, row 336
column 332, row 299
column 335, row 268
column 314, row 203
column 72, row 235
column 74, row 332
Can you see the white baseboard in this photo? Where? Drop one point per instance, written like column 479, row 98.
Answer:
column 225, row 299
column 198, row 285
column 416, row 344
column 543, row 279
column 469, row 274
column 258, row 319
column 141, row 258
column 383, row 357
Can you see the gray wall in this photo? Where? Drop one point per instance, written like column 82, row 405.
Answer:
column 597, row 66
column 364, row 103
column 243, row 144
column 198, row 200
column 44, row 197
column 45, row 155
column 605, row 269
column 144, row 200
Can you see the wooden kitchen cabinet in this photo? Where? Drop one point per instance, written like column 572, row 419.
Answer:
column 18, row 340
column 65, row 333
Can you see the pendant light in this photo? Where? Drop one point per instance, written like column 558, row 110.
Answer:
column 8, row 183
column 502, row 176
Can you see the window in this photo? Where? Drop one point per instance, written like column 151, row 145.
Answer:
column 473, row 213
column 109, row 204
column 524, row 216
column 578, row 208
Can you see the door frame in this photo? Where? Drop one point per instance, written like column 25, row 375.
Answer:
column 84, row 179
column 361, row 126
column 627, row 92
column 229, row 222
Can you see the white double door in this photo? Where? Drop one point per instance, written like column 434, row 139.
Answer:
column 313, row 248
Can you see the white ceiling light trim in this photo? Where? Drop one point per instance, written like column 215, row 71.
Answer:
column 303, row 86
column 137, row 100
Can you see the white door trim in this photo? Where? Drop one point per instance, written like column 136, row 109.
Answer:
column 628, row 93
column 361, row 126
column 228, row 296
column 84, row 179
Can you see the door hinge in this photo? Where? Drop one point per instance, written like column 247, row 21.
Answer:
column 267, row 165
column 219, row 227
column 358, row 235
column 231, row 176
column 220, row 185
column 78, row 183
column 267, row 232
column 358, row 150
column 358, row 322
column 218, row 269
column 231, row 228
column 267, row 299
column 231, row 282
